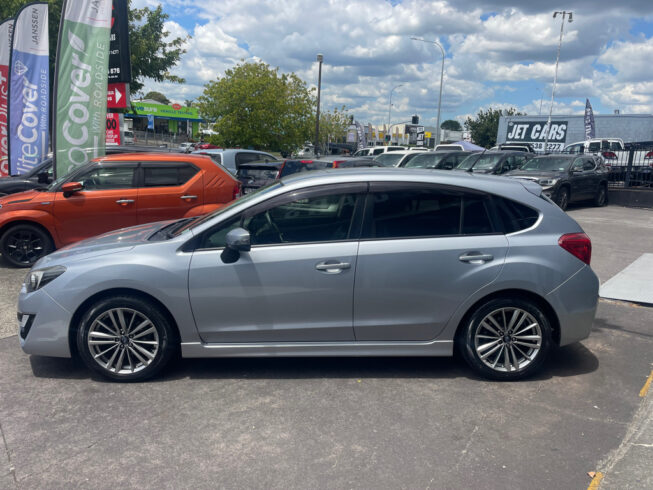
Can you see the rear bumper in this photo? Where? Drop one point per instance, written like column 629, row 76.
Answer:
column 575, row 303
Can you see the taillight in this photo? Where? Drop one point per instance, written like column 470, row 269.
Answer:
column 237, row 190
column 577, row 244
column 649, row 155
column 306, row 161
column 336, row 163
column 280, row 173
column 609, row 154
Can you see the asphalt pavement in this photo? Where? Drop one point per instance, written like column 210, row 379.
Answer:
column 350, row 422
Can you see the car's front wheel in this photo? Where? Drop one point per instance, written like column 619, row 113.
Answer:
column 22, row 245
column 506, row 339
column 126, row 338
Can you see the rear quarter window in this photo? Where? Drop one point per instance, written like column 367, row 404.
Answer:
column 514, row 216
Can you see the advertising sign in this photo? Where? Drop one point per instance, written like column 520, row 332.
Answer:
column 5, row 42
column 589, row 121
column 535, row 132
column 120, row 67
column 117, row 96
column 415, row 134
column 113, row 128
column 81, row 83
column 29, row 89
column 160, row 110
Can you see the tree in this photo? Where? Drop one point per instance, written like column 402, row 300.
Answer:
column 158, row 96
column 333, row 126
column 151, row 56
column 484, row 128
column 253, row 105
column 451, row 125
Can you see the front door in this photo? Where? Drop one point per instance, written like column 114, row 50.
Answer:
column 423, row 251
column 107, row 202
column 295, row 285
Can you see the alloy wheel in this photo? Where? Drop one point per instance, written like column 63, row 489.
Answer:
column 123, row 341
column 24, row 246
column 508, row 339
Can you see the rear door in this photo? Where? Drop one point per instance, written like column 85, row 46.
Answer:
column 107, row 202
column 424, row 250
column 168, row 190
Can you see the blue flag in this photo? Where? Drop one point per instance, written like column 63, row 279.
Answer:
column 29, row 89
column 589, row 121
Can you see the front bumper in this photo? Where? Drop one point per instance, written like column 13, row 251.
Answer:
column 43, row 324
column 575, row 303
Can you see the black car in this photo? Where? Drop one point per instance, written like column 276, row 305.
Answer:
column 494, row 162
column 41, row 176
column 293, row 166
column 445, row 160
column 253, row 175
column 567, row 178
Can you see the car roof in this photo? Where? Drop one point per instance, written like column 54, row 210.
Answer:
column 156, row 157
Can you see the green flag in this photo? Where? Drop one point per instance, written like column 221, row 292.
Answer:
column 81, row 83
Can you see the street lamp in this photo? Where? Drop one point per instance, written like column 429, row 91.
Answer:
column 317, row 118
column 390, row 104
column 437, row 129
column 570, row 18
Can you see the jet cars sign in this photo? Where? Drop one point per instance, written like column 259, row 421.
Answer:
column 535, row 133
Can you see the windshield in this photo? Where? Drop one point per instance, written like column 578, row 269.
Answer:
column 425, row 160
column 389, row 159
column 231, row 205
column 547, row 164
column 484, row 162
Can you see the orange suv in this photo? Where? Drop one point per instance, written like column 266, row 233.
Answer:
column 108, row 193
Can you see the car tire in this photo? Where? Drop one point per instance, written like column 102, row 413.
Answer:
column 22, row 245
column 601, row 198
column 126, row 338
column 563, row 198
column 506, row 339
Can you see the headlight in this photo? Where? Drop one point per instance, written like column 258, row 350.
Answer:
column 548, row 182
column 39, row 278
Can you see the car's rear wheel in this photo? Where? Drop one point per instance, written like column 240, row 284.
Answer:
column 22, row 245
column 126, row 338
column 506, row 339
column 601, row 197
column 563, row 198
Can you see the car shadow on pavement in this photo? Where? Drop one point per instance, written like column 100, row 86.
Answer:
column 572, row 360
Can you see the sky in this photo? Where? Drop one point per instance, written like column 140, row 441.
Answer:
column 498, row 53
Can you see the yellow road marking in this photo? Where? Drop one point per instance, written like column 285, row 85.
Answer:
column 646, row 386
column 594, row 484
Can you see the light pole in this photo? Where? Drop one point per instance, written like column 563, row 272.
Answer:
column 390, row 105
column 570, row 18
column 437, row 128
column 317, row 118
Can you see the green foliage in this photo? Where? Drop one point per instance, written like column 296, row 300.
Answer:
column 333, row 126
column 254, row 105
column 158, row 96
column 451, row 125
column 151, row 56
column 484, row 128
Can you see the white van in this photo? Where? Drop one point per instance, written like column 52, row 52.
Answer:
column 377, row 150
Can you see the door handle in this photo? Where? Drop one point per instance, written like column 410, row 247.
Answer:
column 188, row 197
column 475, row 258
column 333, row 268
column 124, row 201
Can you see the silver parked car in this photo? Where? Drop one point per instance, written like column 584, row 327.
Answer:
column 352, row 262
column 231, row 159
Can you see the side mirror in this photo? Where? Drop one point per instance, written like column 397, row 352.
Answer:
column 43, row 178
column 238, row 240
column 69, row 188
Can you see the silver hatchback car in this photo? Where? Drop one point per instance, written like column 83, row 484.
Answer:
column 353, row 262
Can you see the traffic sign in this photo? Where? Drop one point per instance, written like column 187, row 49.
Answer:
column 117, row 96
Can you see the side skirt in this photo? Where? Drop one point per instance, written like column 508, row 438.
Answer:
column 436, row 348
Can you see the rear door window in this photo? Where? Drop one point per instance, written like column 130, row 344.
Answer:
column 167, row 175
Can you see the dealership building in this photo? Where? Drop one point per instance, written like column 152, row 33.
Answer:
column 571, row 129
column 167, row 119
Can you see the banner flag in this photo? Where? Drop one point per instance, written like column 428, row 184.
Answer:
column 6, row 29
column 362, row 141
column 81, row 83
column 589, row 121
column 29, row 89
